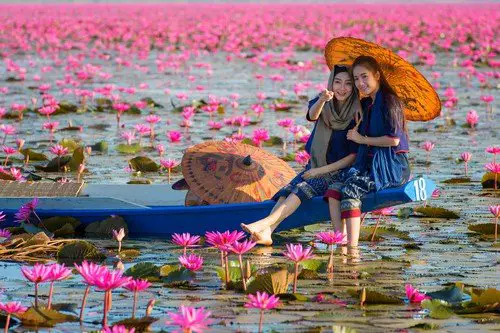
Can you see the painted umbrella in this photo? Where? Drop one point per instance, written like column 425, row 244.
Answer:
column 223, row 172
column 419, row 97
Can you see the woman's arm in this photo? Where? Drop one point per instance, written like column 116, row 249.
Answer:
column 340, row 164
column 379, row 141
column 316, row 108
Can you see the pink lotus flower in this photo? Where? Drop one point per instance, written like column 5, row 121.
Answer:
column 190, row 319
column 24, row 213
column 160, row 149
column 108, row 281
column 8, row 151
column 90, row 273
column 223, row 242
column 174, row 136
column 7, row 130
column 466, row 157
column 495, row 169
column 10, row 308
column 262, row 301
column 185, row 240
column 57, row 273
column 118, row 329
column 215, row 125
column 302, row 157
column 120, row 108
column 4, row 233
column 119, row 235
column 428, row 146
column 240, row 249
column 59, row 150
column 286, row 122
column 36, row 274
column 296, row 253
column 413, row 295
column 472, row 118
column 331, row 237
column 493, row 150
column 260, row 135
column 129, row 136
column 137, row 286
column 192, row 262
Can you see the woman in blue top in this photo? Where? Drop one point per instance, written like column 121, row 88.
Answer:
column 382, row 160
column 333, row 112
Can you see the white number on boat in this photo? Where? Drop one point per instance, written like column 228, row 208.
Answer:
column 420, row 191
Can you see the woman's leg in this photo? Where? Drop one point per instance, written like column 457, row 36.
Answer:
column 307, row 189
column 350, row 207
column 278, row 203
column 262, row 230
column 337, row 223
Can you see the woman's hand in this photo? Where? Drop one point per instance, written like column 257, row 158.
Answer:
column 354, row 135
column 325, row 95
column 312, row 173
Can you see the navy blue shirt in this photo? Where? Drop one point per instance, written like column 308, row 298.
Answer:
column 338, row 147
column 389, row 129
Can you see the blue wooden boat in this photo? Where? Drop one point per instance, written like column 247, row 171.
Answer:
column 157, row 210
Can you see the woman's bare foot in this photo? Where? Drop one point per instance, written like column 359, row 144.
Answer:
column 262, row 237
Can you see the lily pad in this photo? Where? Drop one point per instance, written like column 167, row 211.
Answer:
column 139, row 324
column 383, row 232
column 404, row 213
column 101, row 146
column 450, row 294
column 70, row 144
column 56, row 164
column 128, row 149
column 293, row 297
column 307, row 274
column 140, row 182
column 375, row 297
column 438, row 309
column 129, row 254
column 426, row 326
column 78, row 251
column 490, row 296
column 437, row 212
column 488, row 180
column 273, row 280
column 33, row 155
column 144, row 270
column 76, row 159
column 105, row 228
column 41, row 317
column 143, row 164
column 57, row 222
column 314, row 227
column 152, row 102
column 457, row 180
column 314, row 265
column 290, row 157
column 178, row 275
column 66, row 107
column 483, row 228
column 273, row 141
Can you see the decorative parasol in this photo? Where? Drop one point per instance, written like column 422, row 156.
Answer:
column 421, row 100
column 223, row 172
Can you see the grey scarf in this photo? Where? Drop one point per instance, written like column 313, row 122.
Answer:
column 331, row 120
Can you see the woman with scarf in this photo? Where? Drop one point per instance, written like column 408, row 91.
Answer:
column 334, row 112
column 382, row 160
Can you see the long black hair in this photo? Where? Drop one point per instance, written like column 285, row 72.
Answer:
column 392, row 100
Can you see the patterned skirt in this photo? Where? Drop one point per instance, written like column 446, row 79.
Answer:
column 307, row 189
column 353, row 184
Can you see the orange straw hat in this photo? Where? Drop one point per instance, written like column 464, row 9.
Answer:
column 419, row 97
